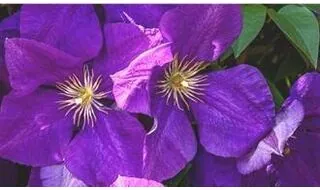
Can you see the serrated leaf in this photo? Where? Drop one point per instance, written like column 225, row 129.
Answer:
column 302, row 29
column 253, row 20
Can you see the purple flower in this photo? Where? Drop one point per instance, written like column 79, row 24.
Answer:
column 286, row 122
column 294, row 145
column 56, row 111
column 288, row 155
column 232, row 108
column 300, row 164
column 254, row 168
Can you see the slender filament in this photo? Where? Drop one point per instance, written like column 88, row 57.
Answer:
column 82, row 97
column 183, row 81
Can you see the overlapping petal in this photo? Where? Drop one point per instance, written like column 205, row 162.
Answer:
column 123, row 42
column 202, row 31
column 305, row 89
column 210, row 170
column 97, row 155
column 74, row 29
column 131, row 85
column 301, row 166
column 31, row 64
column 171, row 145
column 287, row 121
column 33, row 130
column 236, row 113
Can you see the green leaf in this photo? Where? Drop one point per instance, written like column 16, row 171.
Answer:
column 253, row 20
column 301, row 27
column 277, row 96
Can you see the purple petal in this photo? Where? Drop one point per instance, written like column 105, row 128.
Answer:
column 31, row 64
column 9, row 173
column 123, row 181
column 287, row 121
column 124, row 42
column 74, row 29
column 311, row 123
column 260, row 178
column 171, row 145
column 306, row 89
column 301, row 166
column 237, row 112
column 131, row 85
column 210, row 170
column 256, row 159
column 97, row 155
column 11, row 23
column 53, row 176
column 33, row 130
column 147, row 15
column 202, row 31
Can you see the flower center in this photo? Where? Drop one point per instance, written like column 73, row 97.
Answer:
column 182, row 81
column 82, row 97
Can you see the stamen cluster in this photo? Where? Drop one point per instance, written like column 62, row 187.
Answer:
column 183, row 82
column 83, row 97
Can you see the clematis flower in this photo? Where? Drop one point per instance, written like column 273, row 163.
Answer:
column 299, row 165
column 59, row 176
column 254, row 168
column 294, row 145
column 57, row 110
column 288, row 155
column 232, row 108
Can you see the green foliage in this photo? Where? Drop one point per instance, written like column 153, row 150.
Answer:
column 301, row 27
column 254, row 17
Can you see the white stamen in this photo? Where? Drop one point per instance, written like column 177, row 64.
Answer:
column 83, row 97
column 182, row 81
